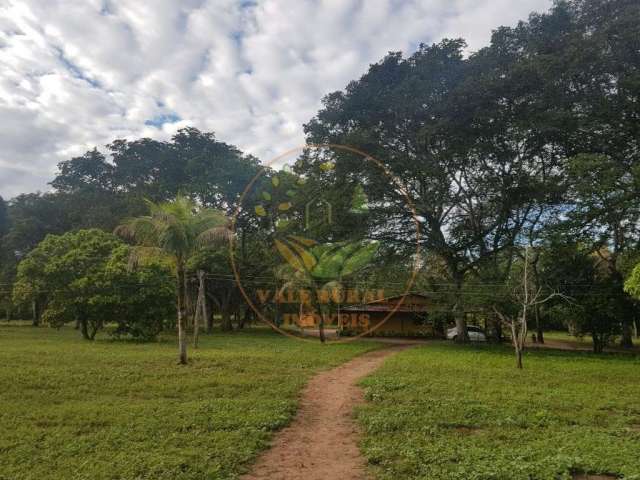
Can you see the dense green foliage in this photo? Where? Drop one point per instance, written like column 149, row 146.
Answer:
column 442, row 412
column 537, row 131
column 532, row 136
column 193, row 162
column 594, row 301
column 124, row 410
column 84, row 277
column 632, row 285
column 91, row 191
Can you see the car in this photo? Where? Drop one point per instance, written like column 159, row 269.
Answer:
column 476, row 334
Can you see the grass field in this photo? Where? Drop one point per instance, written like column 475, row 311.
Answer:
column 71, row 409
column 446, row 412
column 565, row 336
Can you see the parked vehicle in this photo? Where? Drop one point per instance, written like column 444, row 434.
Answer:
column 476, row 334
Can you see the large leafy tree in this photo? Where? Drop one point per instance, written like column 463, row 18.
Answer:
column 176, row 229
column 451, row 132
column 140, row 300
column 587, row 53
column 605, row 214
column 83, row 277
column 216, row 172
column 88, row 171
column 195, row 163
column 33, row 216
column 595, row 307
column 93, row 191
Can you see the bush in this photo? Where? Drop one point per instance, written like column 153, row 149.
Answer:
column 83, row 277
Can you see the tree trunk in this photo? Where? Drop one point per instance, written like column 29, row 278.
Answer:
column 462, row 336
column 499, row 334
column 323, row 338
column 182, row 337
column 516, row 339
column 94, row 330
column 36, row 314
column 315, row 308
column 627, row 334
column 539, row 329
column 519, row 358
column 196, row 324
column 84, row 328
column 244, row 318
column 226, row 324
column 598, row 346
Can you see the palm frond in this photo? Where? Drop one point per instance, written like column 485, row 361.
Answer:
column 164, row 217
column 174, row 238
column 215, row 236
column 208, row 218
column 142, row 230
column 179, row 227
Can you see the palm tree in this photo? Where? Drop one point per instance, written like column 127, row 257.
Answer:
column 176, row 229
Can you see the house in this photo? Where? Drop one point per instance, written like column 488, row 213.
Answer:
column 412, row 315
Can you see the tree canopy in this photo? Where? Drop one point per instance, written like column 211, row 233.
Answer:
column 83, row 277
column 502, row 151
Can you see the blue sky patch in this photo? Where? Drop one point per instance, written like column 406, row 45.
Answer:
column 161, row 119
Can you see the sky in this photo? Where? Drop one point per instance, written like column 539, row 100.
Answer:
column 78, row 74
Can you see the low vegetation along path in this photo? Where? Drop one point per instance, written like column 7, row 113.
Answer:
column 322, row 441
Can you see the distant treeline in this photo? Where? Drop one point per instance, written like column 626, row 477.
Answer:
column 531, row 144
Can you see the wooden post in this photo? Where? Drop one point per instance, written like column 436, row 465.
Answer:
column 200, row 308
column 206, row 311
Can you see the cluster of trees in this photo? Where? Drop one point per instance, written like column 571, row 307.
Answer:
column 99, row 191
column 521, row 160
column 84, row 277
column 530, row 139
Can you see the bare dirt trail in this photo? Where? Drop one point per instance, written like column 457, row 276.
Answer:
column 321, row 443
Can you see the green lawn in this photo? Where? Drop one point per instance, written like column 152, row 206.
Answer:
column 71, row 409
column 566, row 337
column 448, row 412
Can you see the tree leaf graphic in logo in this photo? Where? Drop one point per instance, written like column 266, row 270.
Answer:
column 304, row 241
column 342, row 260
column 327, row 166
column 296, row 255
column 329, row 262
column 359, row 258
column 325, row 261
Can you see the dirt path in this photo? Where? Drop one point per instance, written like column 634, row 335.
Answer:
column 321, row 442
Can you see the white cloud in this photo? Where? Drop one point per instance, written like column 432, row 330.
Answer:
column 79, row 73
